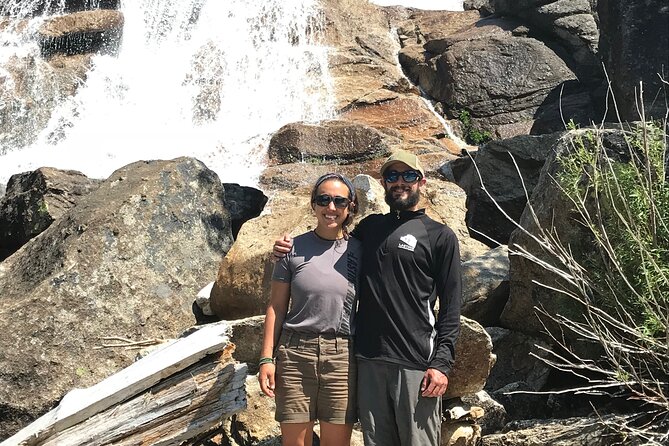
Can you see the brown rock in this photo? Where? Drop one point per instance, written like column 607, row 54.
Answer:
column 362, row 63
column 341, row 142
column 473, row 360
column 243, row 283
column 82, row 32
column 445, row 202
column 409, row 115
column 460, row 434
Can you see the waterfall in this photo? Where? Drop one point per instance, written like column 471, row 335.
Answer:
column 204, row 78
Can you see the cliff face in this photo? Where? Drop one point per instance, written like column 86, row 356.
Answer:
column 127, row 259
column 634, row 49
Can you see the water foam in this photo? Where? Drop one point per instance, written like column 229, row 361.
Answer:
column 200, row 78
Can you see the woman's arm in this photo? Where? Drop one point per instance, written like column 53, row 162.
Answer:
column 274, row 316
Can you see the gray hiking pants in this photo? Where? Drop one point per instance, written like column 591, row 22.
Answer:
column 392, row 411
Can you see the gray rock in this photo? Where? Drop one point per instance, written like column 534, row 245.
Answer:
column 506, row 183
column 126, row 262
column 520, row 401
column 473, row 360
column 34, row 200
column 343, row 142
column 243, row 203
column 572, row 24
column 485, row 7
column 484, row 70
column 553, row 210
column 594, row 431
column 635, row 48
column 485, row 286
column 247, row 335
column 517, row 360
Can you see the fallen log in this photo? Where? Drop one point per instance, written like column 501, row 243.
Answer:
column 175, row 393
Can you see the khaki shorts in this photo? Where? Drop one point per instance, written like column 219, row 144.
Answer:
column 316, row 377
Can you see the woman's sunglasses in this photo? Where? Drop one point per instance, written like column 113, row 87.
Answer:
column 325, row 200
column 409, row 176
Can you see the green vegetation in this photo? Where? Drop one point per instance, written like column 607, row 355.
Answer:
column 473, row 135
column 624, row 201
column 620, row 193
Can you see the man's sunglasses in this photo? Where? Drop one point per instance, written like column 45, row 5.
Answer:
column 325, row 200
column 409, row 176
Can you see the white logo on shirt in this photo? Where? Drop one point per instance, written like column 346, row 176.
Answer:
column 408, row 242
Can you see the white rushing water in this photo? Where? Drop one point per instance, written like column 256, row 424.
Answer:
column 210, row 79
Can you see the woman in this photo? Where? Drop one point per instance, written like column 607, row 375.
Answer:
column 314, row 374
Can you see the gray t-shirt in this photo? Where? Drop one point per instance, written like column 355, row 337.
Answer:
column 323, row 276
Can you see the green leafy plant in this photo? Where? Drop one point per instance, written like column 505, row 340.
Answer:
column 625, row 204
column 472, row 134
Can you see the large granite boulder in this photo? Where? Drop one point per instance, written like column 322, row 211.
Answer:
column 519, row 358
column 473, row 360
column 337, row 142
column 554, row 213
column 33, row 200
column 571, row 24
column 510, row 170
column 123, row 265
column 509, row 84
column 485, row 286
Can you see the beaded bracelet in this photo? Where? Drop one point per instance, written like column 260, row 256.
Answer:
column 265, row 360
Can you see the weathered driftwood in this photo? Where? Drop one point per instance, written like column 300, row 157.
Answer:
column 192, row 398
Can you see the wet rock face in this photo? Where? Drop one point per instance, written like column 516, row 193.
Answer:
column 125, row 263
column 46, row 7
column 82, row 32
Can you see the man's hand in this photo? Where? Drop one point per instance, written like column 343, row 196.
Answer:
column 266, row 379
column 434, row 383
column 282, row 246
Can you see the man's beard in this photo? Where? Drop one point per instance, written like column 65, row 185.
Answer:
column 399, row 204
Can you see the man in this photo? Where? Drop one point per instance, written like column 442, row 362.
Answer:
column 404, row 353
